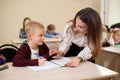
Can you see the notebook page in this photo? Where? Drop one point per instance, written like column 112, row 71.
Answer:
column 62, row 61
column 46, row 66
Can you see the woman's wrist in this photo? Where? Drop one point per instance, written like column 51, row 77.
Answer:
column 61, row 53
column 80, row 59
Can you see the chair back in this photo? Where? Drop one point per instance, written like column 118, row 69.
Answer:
column 9, row 51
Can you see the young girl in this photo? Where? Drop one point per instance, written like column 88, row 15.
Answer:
column 50, row 33
column 114, row 37
column 35, row 51
column 22, row 30
column 83, row 37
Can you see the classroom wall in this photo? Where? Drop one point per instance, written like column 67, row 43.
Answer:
column 58, row 12
column 114, row 12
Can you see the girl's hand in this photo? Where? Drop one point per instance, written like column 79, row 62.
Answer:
column 41, row 61
column 74, row 62
column 55, row 53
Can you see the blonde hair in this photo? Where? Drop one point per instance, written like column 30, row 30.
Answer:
column 31, row 26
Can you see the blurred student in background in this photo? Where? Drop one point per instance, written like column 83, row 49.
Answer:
column 22, row 30
column 114, row 36
column 50, row 32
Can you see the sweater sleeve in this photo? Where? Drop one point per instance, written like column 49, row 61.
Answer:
column 44, row 52
column 23, row 57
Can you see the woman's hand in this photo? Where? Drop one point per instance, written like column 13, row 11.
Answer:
column 55, row 53
column 74, row 62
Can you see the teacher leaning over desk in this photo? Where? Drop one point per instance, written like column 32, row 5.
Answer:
column 82, row 38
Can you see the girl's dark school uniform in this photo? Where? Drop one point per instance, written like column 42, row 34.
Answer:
column 23, row 56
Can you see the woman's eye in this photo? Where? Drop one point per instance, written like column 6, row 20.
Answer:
column 81, row 27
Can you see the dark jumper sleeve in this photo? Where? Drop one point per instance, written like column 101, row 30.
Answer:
column 23, row 57
column 44, row 52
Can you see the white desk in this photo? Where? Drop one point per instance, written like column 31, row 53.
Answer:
column 52, row 43
column 86, row 71
column 109, row 58
column 112, row 49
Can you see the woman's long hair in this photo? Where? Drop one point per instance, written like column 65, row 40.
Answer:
column 92, row 19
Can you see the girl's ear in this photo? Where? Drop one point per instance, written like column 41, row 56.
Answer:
column 29, row 36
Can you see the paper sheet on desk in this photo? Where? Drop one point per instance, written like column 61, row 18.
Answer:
column 62, row 61
column 50, row 64
column 46, row 66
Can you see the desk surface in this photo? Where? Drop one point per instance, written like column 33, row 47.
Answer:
column 109, row 57
column 19, row 41
column 112, row 49
column 86, row 71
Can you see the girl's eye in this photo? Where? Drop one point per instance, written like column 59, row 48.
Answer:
column 41, row 35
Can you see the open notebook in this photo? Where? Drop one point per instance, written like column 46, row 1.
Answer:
column 51, row 64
